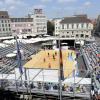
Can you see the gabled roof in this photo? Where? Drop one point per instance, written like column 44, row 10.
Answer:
column 75, row 20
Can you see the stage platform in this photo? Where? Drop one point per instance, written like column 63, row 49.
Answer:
column 44, row 59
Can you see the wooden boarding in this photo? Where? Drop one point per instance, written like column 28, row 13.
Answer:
column 45, row 61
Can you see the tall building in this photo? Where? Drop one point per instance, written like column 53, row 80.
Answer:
column 40, row 22
column 78, row 27
column 22, row 26
column 5, row 27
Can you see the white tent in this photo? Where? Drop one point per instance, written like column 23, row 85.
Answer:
column 3, row 45
column 10, row 55
column 77, row 80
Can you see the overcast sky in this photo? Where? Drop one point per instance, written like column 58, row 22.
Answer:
column 52, row 8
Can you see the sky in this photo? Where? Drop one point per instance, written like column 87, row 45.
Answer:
column 52, row 8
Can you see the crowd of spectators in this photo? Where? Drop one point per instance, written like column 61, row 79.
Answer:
column 8, row 64
column 51, row 87
column 91, row 55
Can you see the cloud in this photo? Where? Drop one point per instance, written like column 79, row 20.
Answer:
column 63, row 1
column 12, row 2
column 46, row 1
column 1, row 3
column 12, row 8
column 88, row 3
column 39, row 6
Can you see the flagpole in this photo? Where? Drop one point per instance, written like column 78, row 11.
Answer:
column 19, row 62
column 60, row 70
column 60, row 86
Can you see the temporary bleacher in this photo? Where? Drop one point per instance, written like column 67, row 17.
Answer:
column 11, row 64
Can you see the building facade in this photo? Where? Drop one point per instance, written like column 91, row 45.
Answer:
column 33, row 24
column 22, row 26
column 5, row 24
column 78, row 27
column 40, row 22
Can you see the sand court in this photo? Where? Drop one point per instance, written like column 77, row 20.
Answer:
column 49, row 59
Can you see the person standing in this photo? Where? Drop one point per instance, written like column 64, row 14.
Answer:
column 49, row 65
column 53, row 56
column 48, row 54
column 55, row 53
column 44, row 60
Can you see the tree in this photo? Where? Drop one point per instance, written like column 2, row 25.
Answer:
column 50, row 28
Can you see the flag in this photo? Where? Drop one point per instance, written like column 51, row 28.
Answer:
column 61, row 65
column 19, row 57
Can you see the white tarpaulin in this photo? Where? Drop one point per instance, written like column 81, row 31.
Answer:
column 77, row 80
column 44, row 76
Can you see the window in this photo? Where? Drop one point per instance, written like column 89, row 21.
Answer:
column 86, row 36
column 87, row 25
column 2, row 16
column 5, row 25
column 29, row 30
column 77, row 35
column 3, row 29
column 9, row 25
column 72, row 26
column 63, row 36
column 82, row 35
column 67, row 26
column 2, row 25
column 67, row 32
column 1, row 21
column 82, row 25
column 31, row 24
column 62, row 26
column 77, row 25
column 6, row 29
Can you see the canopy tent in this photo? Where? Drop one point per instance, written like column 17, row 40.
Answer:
column 77, row 80
column 3, row 45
